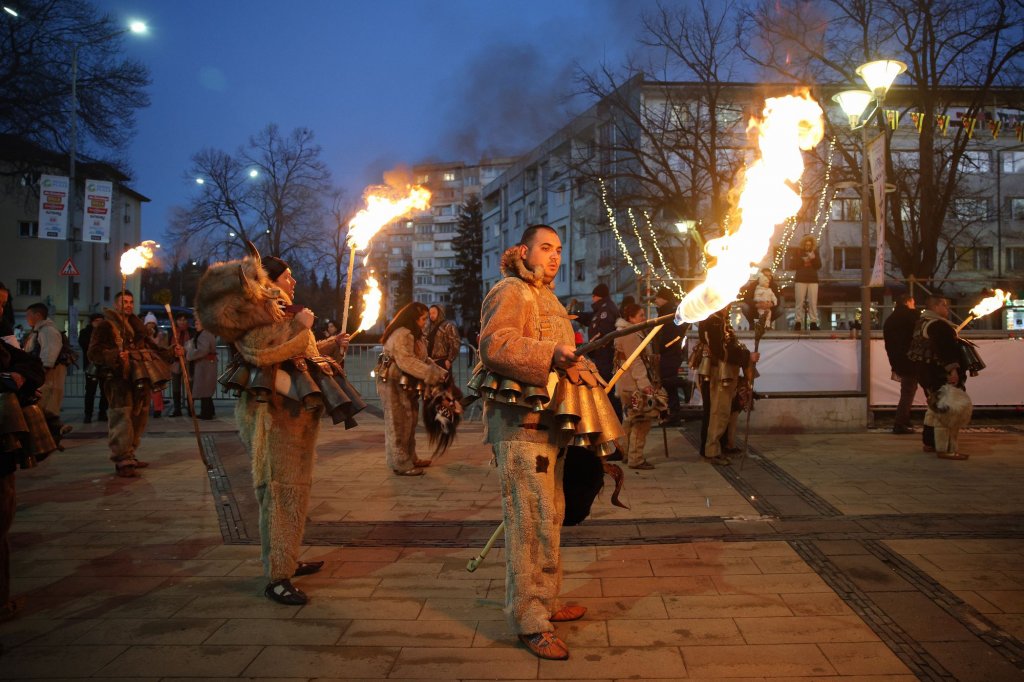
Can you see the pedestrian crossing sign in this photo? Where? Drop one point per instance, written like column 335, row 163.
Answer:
column 69, row 269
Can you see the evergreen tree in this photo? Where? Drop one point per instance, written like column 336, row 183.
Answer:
column 469, row 246
column 403, row 294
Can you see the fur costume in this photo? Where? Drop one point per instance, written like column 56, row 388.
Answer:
column 531, row 413
column 641, row 403
column 952, row 412
column 401, row 373
column 935, row 349
column 283, row 392
column 127, row 385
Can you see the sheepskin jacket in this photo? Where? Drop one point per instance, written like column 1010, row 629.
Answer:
column 409, row 356
column 521, row 323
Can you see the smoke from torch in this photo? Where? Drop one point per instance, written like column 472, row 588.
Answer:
column 789, row 124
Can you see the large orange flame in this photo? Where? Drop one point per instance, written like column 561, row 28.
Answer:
column 992, row 303
column 788, row 125
column 371, row 305
column 383, row 206
column 139, row 257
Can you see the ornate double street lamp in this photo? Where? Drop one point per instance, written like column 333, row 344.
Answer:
column 878, row 75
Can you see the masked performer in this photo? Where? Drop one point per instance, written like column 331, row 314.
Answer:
column 942, row 371
column 725, row 358
column 403, row 371
column 285, row 385
column 642, row 402
column 130, row 365
column 531, row 414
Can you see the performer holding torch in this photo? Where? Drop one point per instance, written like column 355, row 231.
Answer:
column 531, row 415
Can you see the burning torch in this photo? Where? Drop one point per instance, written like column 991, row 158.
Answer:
column 372, row 298
column 986, row 306
column 134, row 259
column 380, row 210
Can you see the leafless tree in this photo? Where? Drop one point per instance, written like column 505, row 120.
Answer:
column 958, row 56
column 269, row 192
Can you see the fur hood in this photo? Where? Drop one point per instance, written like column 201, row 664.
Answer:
column 236, row 297
column 512, row 265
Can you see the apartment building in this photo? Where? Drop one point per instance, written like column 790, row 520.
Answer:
column 985, row 237
column 30, row 266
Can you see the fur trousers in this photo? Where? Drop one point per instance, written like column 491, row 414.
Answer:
column 281, row 439
column 533, row 508
column 721, row 422
column 127, row 416
column 636, row 429
column 401, row 410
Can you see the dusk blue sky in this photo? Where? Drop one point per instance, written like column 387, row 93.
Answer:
column 380, row 83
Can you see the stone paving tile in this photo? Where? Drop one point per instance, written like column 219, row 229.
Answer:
column 631, row 608
column 726, row 606
column 973, row 662
column 816, row 604
column 923, row 620
column 165, row 661
column 1013, row 623
column 615, row 662
column 666, row 585
column 138, row 631
column 623, row 568
column 981, row 580
column 649, row 552
column 43, row 662
column 404, row 633
column 359, row 608
column 323, row 661
column 871, row 574
column 489, row 663
column 464, row 610
column 753, row 660
column 673, row 632
column 422, row 589
column 805, row 630
column 867, row 658
column 724, row 565
column 781, row 564
column 582, row 633
column 779, row 583
column 417, row 570
column 713, row 550
column 271, row 631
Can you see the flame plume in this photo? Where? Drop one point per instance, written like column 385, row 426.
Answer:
column 139, row 257
column 381, row 208
column 988, row 305
column 371, row 305
column 788, row 125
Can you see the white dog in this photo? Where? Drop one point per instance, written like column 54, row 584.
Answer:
column 953, row 409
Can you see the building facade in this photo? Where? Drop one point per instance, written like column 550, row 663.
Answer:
column 31, row 267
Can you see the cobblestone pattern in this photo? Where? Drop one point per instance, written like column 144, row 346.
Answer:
column 232, row 525
column 913, row 655
column 1006, row 644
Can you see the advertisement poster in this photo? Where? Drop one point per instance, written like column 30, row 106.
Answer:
column 98, row 200
column 876, row 155
column 53, row 207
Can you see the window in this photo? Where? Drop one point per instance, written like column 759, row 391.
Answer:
column 1015, row 258
column 422, row 178
column 424, row 246
column 424, row 263
column 605, row 246
column 970, row 258
column 906, row 159
column 561, row 272
column 449, row 176
column 970, row 209
column 974, row 162
column 848, row 257
column 446, row 262
column 30, row 287
column 1017, row 208
column 424, row 279
column 445, row 228
column 28, row 230
column 443, row 246
column 846, row 209
column 424, row 229
column 1013, row 162
column 519, row 219
column 396, row 250
column 579, row 270
column 106, row 293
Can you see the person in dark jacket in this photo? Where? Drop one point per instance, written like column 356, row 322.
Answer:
column 669, row 347
column 92, row 382
column 897, row 332
column 602, row 321
column 805, row 281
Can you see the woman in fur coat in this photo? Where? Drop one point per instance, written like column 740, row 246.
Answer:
column 285, row 386
column 402, row 371
column 202, row 352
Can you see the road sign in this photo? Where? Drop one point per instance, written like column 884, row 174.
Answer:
column 69, row 269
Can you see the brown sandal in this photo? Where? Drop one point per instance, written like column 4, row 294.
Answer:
column 546, row 645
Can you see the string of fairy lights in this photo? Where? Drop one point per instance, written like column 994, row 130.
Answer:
column 822, row 216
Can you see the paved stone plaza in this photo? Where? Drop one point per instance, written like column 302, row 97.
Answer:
column 838, row 556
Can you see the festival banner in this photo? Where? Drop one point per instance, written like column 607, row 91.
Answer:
column 968, row 123
column 892, row 117
column 995, row 126
column 53, row 207
column 99, row 196
column 918, row 118
column 876, row 157
column 942, row 123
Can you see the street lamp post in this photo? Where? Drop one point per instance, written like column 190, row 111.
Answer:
column 134, row 27
column 878, row 75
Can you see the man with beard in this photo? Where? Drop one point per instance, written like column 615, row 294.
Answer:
column 129, row 365
column 527, row 348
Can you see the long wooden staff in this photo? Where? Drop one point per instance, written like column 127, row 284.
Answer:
column 759, row 329
column 188, row 389
column 658, row 322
